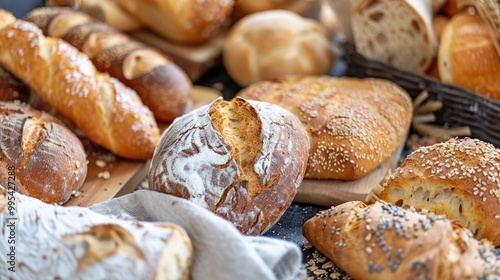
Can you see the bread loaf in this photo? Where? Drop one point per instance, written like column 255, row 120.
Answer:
column 354, row 124
column 111, row 114
column 55, row 242
column 396, row 32
column 183, row 22
column 160, row 83
column 467, row 56
column 242, row 160
column 458, row 178
column 383, row 241
column 39, row 155
column 306, row 8
column 267, row 45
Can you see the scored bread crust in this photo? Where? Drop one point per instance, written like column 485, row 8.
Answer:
column 56, row 242
column 383, row 241
column 396, row 32
column 242, row 160
column 46, row 160
column 354, row 124
column 458, row 178
column 111, row 114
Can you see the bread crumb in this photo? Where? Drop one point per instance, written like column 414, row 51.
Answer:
column 104, row 175
column 100, row 163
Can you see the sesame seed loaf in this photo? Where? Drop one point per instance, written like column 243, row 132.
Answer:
column 242, row 160
column 383, row 241
column 458, row 178
column 354, row 124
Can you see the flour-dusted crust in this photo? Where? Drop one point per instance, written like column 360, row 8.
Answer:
column 459, row 178
column 46, row 159
column 383, row 241
column 243, row 160
column 55, row 242
column 111, row 114
column 354, row 124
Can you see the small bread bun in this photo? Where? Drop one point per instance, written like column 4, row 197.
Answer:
column 467, row 56
column 242, row 160
column 458, row 178
column 269, row 44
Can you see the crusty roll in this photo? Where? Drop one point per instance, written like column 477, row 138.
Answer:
column 242, row 160
column 185, row 22
column 160, row 83
column 39, row 155
column 458, row 178
column 55, row 242
column 111, row 114
column 467, row 56
column 269, row 44
column 396, row 32
column 354, row 124
column 306, row 8
column 383, row 241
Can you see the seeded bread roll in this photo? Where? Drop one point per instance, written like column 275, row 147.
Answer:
column 383, row 241
column 354, row 124
column 458, row 178
column 396, row 32
column 39, row 155
column 242, row 160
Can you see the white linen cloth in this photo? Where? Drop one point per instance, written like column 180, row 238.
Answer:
column 220, row 251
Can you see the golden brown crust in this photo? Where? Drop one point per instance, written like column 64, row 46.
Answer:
column 467, row 56
column 184, row 22
column 354, row 124
column 458, row 178
column 39, row 154
column 111, row 114
column 161, row 84
column 383, row 241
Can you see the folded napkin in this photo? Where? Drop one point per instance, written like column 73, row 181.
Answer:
column 220, row 251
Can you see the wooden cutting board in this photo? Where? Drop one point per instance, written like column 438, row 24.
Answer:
column 124, row 175
column 334, row 192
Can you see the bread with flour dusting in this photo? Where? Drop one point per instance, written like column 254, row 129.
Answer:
column 242, row 160
column 56, row 242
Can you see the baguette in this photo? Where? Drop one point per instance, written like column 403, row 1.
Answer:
column 383, row 241
column 109, row 113
column 39, row 154
column 161, row 84
column 55, row 242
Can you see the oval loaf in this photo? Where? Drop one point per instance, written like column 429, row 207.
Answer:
column 242, row 160
column 354, row 124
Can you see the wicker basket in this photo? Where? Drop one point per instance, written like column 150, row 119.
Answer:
column 461, row 107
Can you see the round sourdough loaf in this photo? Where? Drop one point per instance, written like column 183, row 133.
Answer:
column 458, row 178
column 39, row 155
column 354, row 124
column 242, row 160
column 268, row 44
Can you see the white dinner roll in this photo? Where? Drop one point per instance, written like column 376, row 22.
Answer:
column 269, row 44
